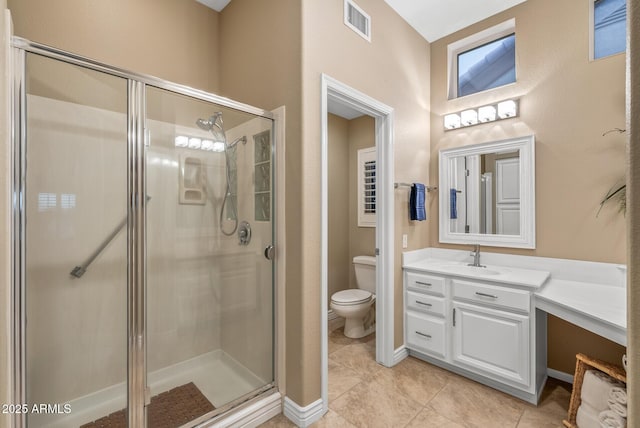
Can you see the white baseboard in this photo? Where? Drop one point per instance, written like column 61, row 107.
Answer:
column 556, row 374
column 303, row 416
column 400, row 354
column 253, row 415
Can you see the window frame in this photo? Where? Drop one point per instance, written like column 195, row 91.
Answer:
column 592, row 34
column 366, row 155
column 471, row 42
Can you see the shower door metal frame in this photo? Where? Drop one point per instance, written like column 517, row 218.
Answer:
column 137, row 390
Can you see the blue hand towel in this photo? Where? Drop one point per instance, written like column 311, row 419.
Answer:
column 416, row 202
column 453, row 204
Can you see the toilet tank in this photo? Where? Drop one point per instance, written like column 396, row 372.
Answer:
column 365, row 268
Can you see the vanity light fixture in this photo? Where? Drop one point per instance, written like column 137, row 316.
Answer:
column 206, row 145
column 469, row 117
column 489, row 113
column 184, row 141
column 195, row 143
column 452, row 121
column 507, row 109
column 218, row 146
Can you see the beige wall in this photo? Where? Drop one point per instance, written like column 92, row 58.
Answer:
column 5, row 215
column 339, row 202
column 173, row 40
column 362, row 240
column 260, row 63
column 633, row 211
column 394, row 69
column 567, row 102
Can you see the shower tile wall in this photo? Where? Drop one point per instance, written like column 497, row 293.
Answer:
column 76, row 196
column 202, row 287
column 248, row 291
column 183, row 285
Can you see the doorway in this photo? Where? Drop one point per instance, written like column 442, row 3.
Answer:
column 338, row 95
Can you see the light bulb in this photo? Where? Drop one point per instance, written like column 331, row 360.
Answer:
column 507, row 109
column 452, row 121
column 469, row 117
column 487, row 114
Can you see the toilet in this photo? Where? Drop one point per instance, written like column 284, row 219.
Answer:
column 355, row 305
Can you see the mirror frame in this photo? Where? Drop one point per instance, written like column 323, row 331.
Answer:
column 527, row 237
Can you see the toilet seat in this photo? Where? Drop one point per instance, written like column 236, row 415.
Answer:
column 353, row 296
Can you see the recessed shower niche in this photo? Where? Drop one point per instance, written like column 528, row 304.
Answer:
column 193, row 180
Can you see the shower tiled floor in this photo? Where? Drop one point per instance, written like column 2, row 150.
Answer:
column 416, row 394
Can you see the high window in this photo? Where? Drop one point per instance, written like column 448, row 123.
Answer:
column 608, row 27
column 483, row 61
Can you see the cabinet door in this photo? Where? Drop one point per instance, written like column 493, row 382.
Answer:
column 493, row 343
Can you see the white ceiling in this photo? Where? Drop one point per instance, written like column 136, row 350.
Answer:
column 434, row 19
column 216, row 5
column 342, row 110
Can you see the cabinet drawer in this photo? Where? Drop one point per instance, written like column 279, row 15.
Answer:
column 426, row 334
column 493, row 295
column 426, row 303
column 425, row 283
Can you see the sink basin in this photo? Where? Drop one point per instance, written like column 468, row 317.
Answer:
column 462, row 268
column 493, row 273
column 473, row 270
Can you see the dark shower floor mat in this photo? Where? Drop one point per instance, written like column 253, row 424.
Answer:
column 170, row 409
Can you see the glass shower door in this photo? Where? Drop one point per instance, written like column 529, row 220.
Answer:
column 209, row 285
column 75, row 257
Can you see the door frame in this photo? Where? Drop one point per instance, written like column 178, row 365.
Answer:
column 335, row 91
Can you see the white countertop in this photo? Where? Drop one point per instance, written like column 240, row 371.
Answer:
column 599, row 308
column 494, row 273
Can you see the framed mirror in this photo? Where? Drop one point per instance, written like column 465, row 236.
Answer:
column 487, row 194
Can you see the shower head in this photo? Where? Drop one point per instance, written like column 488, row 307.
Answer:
column 204, row 124
column 208, row 124
column 215, row 126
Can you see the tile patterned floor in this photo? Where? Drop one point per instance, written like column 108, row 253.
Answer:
column 415, row 394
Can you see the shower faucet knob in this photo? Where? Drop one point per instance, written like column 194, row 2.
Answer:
column 244, row 233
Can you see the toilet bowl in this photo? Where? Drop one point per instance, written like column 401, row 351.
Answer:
column 356, row 305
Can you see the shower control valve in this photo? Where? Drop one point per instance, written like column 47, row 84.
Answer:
column 244, row 233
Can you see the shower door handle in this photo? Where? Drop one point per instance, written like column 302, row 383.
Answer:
column 269, row 252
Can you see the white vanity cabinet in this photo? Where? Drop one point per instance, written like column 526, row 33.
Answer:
column 427, row 307
column 482, row 329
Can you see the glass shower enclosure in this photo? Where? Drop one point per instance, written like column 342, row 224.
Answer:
column 144, row 219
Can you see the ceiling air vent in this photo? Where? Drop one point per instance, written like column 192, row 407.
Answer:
column 356, row 19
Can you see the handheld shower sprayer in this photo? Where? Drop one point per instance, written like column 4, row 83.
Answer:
column 215, row 125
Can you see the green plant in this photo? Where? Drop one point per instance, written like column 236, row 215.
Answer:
column 618, row 192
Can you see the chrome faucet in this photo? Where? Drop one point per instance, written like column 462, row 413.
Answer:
column 476, row 257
